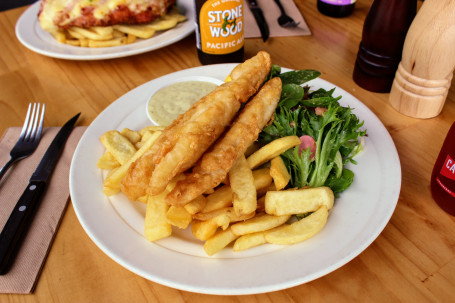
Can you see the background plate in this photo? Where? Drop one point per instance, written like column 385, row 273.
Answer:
column 116, row 225
column 32, row 36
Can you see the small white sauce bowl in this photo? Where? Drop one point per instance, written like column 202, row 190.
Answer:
column 177, row 80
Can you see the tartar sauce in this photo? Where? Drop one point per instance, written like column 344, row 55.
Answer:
column 170, row 101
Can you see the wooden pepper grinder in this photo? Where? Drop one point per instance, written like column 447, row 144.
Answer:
column 424, row 74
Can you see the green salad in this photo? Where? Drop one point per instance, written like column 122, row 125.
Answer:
column 331, row 134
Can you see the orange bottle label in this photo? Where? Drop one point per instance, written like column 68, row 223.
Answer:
column 221, row 26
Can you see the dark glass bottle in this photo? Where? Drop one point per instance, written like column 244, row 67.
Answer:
column 384, row 32
column 336, row 8
column 219, row 31
column 443, row 175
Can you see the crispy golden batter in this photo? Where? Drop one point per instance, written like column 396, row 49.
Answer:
column 192, row 133
column 216, row 163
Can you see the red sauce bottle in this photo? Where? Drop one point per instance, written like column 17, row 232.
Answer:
column 443, row 176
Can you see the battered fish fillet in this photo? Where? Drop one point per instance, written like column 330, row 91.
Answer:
column 191, row 134
column 216, row 163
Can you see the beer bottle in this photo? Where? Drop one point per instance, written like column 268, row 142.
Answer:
column 219, row 31
column 336, row 8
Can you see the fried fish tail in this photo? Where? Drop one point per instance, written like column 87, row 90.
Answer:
column 250, row 67
column 250, row 75
column 216, row 163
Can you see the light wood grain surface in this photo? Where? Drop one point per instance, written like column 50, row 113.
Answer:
column 413, row 259
column 428, row 61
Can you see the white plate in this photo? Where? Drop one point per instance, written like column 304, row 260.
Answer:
column 116, row 225
column 32, row 36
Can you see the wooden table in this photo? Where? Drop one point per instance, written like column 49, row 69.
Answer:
column 413, row 260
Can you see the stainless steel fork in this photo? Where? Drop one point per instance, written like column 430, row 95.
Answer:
column 29, row 137
column 284, row 20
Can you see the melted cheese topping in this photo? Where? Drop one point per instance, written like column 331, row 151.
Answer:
column 72, row 9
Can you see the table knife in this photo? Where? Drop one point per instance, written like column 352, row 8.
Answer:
column 19, row 221
column 260, row 20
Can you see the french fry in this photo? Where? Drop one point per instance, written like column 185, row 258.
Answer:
column 300, row 201
column 234, row 217
column 141, row 31
column 93, row 33
column 272, row 150
column 262, row 178
column 300, row 230
column 143, row 199
column 163, row 24
column 119, row 146
column 219, row 241
column 73, row 42
column 261, row 222
column 196, row 205
column 220, row 198
column 205, row 225
column 174, row 13
column 103, row 31
column 84, row 42
column 261, row 204
column 249, row 240
column 59, row 36
column 145, row 133
column 261, row 192
column 279, row 173
column 107, row 161
column 130, row 39
column 131, row 135
column 151, row 129
column 111, row 184
column 74, row 33
column 205, row 216
column 156, row 225
column 106, row 43
column 203, row 230
column 111, row 172
column 178, row 216
column 229, row 211
column 242, row 185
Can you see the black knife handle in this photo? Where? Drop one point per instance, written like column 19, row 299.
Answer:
column 15, row 228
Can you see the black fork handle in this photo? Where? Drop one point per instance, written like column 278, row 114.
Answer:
column 280, row 6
